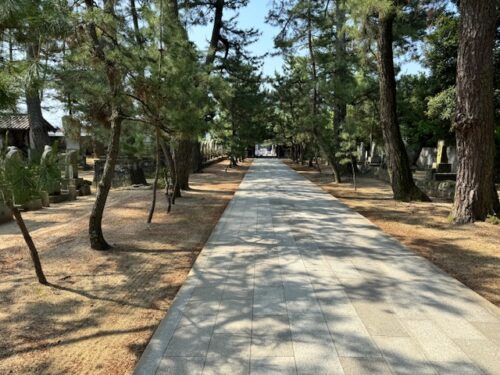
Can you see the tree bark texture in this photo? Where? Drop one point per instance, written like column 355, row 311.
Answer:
column 475, row 193
column 157, row 175
column 214, row 40
column 31, row 246
column 167, row 153
column 114, row 78
column 183, row 162
column 97, row 241
column 403, row 186
column 39, row 136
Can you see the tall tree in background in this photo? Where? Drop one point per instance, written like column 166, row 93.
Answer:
column 300, row 22
column 400, row 174
column 475, row 193
column 102, row 46
column 36, row 40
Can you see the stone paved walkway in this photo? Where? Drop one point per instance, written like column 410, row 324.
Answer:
column 294, row 282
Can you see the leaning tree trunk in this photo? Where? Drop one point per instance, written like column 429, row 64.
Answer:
column 97, row 241
column 183, row 162
column 114, row 78
column 475, row 193
column 403, row 186
column 29, row 242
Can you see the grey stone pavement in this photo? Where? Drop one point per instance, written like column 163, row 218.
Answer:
column 294, row 282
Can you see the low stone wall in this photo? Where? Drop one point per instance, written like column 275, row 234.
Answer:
column 213, row 161
column 123, row 170
column 376, row 172
column 438, row 189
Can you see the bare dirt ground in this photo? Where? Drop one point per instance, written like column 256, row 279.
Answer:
column 470, row 253
column 102, row 307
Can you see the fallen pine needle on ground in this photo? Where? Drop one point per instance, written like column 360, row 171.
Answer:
column 102, row 307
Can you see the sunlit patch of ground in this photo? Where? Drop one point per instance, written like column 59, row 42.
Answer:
column 470, row 253
column 102, row 307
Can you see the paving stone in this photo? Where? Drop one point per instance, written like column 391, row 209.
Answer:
column 315, row 354
column 270, row 325
column 357, row 366
column 236, row 292
column 379, row 319
column 292, row 281
column 484, row 353
column 273, row 366
column 268, row 306
column 275, row 293
column 442, row 352
column 227, row 346
column 207, row 293
column 189, row 341
column 181, row 366
column 489, row 330
column 404, row 355
column 277, row 345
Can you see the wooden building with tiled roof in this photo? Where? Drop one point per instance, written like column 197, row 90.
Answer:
column 17, row 127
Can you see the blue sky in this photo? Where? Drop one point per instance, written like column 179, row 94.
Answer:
column 251, row 16
column 254, row 16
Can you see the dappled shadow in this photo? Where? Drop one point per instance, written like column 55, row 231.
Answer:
column 289, row 263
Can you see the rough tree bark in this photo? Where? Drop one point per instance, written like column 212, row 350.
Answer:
column 403, row 186
column 97, row 241
column 167, row 153
column 183, row 162
column 38, row 134
column 475, row 193
column 114, row 78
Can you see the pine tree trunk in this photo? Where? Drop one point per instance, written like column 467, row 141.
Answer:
column 183, row 162
column 475, row 193
column 197, row 157
column 169, row 159
column 403, row 186
column 114, row 78
column 97, row 241
column 214, row 39
column 39, row 136
column 31, row 246
column 167, row 153
column 157, row 175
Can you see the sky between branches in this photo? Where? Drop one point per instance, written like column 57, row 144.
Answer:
column 251, row 16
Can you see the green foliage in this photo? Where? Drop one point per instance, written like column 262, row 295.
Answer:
column 241, row 120
column 18, row 181
column 347, row 150
column 495, row 220
column 442, row 105
column 420, row 126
